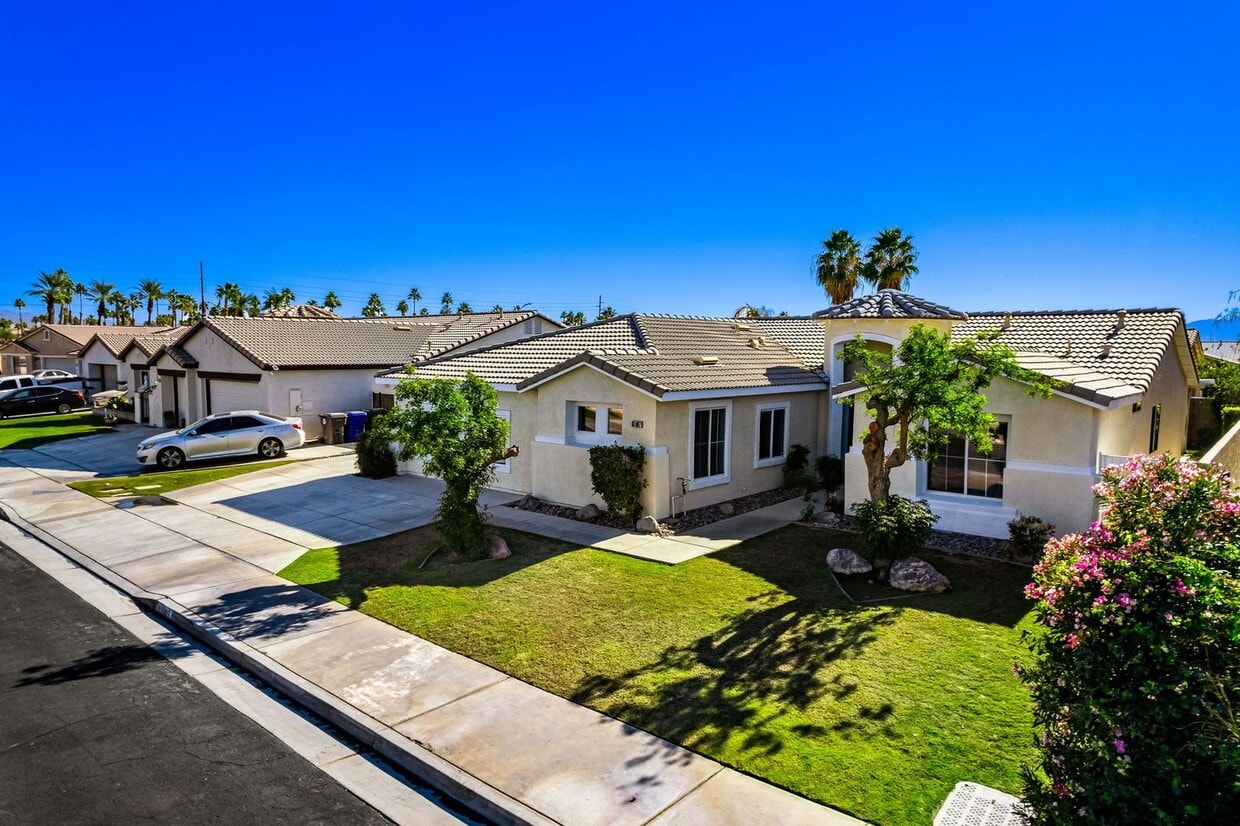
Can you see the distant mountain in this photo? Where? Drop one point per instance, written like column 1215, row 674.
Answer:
column 1212, row 330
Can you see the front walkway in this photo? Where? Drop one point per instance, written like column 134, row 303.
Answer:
column 510, row 750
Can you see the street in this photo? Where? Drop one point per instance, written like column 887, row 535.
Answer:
column 95, row 727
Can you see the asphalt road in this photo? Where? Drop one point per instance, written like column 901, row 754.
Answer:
column 95, row 727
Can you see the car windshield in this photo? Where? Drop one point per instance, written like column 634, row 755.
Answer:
column 192, row 425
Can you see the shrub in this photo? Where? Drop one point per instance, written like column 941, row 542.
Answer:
column 1136, row 671
column 375, row 458
column 616, row 474
column 797, row 476
column 830, row 473
column 1027, row 536
column 893, row 526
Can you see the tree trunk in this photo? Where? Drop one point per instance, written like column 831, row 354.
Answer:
column 873, row 450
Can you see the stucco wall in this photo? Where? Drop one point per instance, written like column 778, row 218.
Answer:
column 322, row 391
column 1124, row 432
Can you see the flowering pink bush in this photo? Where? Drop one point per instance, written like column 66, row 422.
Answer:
column 1136, row 679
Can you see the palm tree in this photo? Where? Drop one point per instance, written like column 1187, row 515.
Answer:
column 573, row 319
column 54, row 288
column 402, row 307
column 445, row 303
column 374, row 307
column 605, row 313
column 838, row 266
column 464, row 308
column 186, row 305
column 498, row 308
column 249, row 305
column 80, row 291
column 890, row 261
column 152, row 291
column 424, row 311
column 19, row 305
column 415, row 295
column 101, row 291
column 230, row 300
column 331, row 301
column 120, row 305
column 172, row 297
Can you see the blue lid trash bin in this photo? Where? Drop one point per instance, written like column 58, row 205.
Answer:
column 354, row 425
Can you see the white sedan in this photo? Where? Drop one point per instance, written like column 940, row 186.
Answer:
column 238, row 433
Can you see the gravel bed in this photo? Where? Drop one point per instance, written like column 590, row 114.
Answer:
column 945, row 541
column 687, row 521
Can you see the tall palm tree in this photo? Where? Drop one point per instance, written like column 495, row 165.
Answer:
column 374, row 307
column 415, row 295
column 230, row 300
column 172, row 297
column 19, row 305
column 55, row 289
column 80, row 291
column 464, row 308
column 445, row 303
column 890, row 261
column 331, row 301
column 101, row 292
column 120, row 306
column 838, row 266
column 186, row 305
column 402, row 307
column 152, row 291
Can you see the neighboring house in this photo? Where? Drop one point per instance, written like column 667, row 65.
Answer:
column 56, row 346
column 1224, row 350
column 1125, row 380
column 717, row 402
column 296, row 365
column 102, row 361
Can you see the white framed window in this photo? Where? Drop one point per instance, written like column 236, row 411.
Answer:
column 710, row 444
column 506, row 465
column 771, row 434
column 962, row 469
column 595, row 422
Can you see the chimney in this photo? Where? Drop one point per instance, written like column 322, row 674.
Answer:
column 1067, row 350
column 1007, row 321
column 1106, row 351
column 1120, row 317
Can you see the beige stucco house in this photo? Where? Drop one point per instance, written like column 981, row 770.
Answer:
column 717, row 402
column 58, row 347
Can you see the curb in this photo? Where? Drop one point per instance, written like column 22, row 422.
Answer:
column 411, row 757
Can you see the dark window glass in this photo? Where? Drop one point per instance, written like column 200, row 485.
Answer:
column 216, row 426
column 709, row 442
column 585, row 418
column 960, row 468
column 242, row 422
column 771, row 425
column 615, row 420
column 1155, row 425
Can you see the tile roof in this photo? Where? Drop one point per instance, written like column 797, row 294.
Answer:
column 1100, row 358
column 890, row 304
column 657, row 353
column 149, row 345
column 82, row 333
column 320, row 342
column 299, row 311
column 1225, row 350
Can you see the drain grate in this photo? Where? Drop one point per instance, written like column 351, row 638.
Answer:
column 971, row 804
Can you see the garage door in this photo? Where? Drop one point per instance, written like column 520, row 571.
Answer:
column 226, row 396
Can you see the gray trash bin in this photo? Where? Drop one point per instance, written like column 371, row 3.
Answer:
column 333, row 427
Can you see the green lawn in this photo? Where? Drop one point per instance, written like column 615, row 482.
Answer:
column 156, row 483
column 32, row 431
column 751, row 656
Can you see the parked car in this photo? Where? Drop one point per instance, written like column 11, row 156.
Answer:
column 14, row 382
column 60, row 378
column 39, row 399
column 224, row 434
column 53, row 375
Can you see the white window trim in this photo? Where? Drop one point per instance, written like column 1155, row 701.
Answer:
column 506, row 465
column 757, row 433
column 725, row 477
column 585, row 437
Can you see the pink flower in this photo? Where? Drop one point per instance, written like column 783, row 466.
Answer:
column 1118, row 742
column 1072, row 641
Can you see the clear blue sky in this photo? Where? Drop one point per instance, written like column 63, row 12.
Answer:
column 671, row 158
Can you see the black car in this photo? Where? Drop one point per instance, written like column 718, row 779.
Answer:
column 41, row 399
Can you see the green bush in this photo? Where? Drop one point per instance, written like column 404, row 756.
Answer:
column 375, row 459
column 617, row 475
column 797, row 475
column 1136, row 677
column 1027, row 536
column 893, row 527
column 830, row 471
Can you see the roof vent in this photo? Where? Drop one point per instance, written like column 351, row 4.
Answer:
column 741, row 327
column 1067, row 350
column 757, row 342
column 1007, row 321
column 402, row 327
column 1120, row 318
column 705, row 359
column 1106, row 351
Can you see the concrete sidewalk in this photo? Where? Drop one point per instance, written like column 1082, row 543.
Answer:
column 512, row 752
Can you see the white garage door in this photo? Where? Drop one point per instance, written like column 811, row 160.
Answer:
column 226, row 396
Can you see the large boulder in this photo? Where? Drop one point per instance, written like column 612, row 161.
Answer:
column 589, row 513
column 847, row 561
column 499, row 548
column 648, row 524
column 912, row 574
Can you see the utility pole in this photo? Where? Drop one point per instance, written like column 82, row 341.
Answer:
column 202, row 293
column 600, row 306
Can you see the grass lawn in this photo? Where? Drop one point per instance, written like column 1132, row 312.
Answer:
column 31, row 431
column 752, row 656
column 156, row 483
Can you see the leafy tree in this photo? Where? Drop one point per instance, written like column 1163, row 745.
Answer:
column 573, row 319
column 374, row 307
column 445, row 303
column 415, row 295
column 890, row 261
column 453, row 427
column 927, row 388
column 152, row 291
column 838, row 266
column 1225, row 393
column 6, row 330
column 607, row 312
column 464, row 308
column 331, row 301
column 1136, row 677
column 402, row 307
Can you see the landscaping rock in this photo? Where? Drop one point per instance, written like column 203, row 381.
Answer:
column 530, row 502
column 847, row 561
column 648, row 524
column 828, row 518
column 913, row 574
column 499, row 548
column 727, row 509
column 590, row 511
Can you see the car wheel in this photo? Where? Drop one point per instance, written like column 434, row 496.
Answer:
column 170, row 458
column 63, row 408
column 271, row 448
